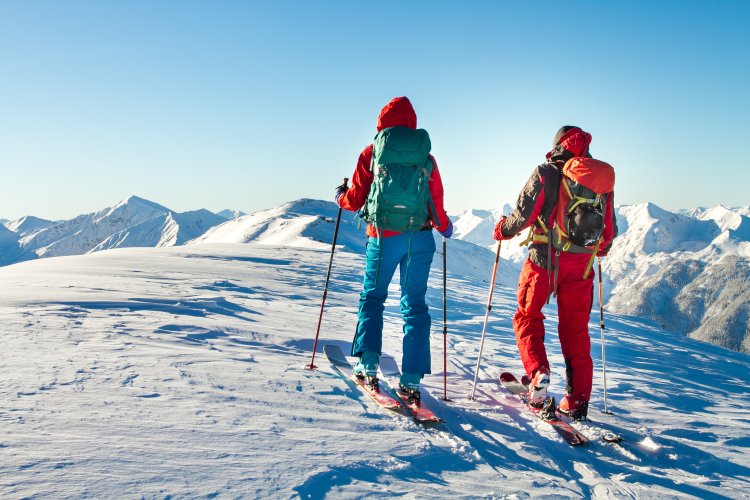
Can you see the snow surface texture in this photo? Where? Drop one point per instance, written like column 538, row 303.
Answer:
column 179, row 372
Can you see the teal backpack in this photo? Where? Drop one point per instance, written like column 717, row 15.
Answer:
column 399, row 194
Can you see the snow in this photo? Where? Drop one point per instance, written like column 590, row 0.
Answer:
column 10, row 249
column 132, row 222
column 179, row 371
column 229, row 214
column 27, row 225
column 477, row 226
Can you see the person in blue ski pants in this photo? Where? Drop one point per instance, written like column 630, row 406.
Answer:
column 411, row 252
column 383, row 257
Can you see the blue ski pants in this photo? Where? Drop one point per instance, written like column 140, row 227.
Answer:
column 412, row 253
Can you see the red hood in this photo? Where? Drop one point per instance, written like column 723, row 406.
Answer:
column 397, row 112
column 570, row 142
column 576, row 141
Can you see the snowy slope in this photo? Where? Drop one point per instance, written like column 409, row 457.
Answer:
column 178, row 372
column 165, row 230
column 10, row 248
column 301, row 223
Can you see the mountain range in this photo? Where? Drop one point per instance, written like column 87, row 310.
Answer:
column 133, row 222
column 689, row 271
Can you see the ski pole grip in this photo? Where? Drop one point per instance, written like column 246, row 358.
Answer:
column 346, row 182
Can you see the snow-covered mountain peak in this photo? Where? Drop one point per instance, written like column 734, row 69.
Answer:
column 27, row 225
column 132, row 222
column 649, row 229
column 133, row 207
column 299, row 223
column 230, row 214
column 725, row 218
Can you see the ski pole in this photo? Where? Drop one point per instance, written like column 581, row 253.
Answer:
column 486, row 317
column 312, row 366
column 601, row 327
column 445, row 327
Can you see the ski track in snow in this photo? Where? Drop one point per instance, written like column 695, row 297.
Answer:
column 180, row 372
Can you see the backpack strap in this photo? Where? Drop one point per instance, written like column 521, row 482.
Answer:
column 431, row 203
column 591, row 260
column 536, row 237
column 578, row 199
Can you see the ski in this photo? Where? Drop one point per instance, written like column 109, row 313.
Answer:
column 419, row 409
column 340, row 364
column 592, row 429
column 569, row 433
column 604, row 435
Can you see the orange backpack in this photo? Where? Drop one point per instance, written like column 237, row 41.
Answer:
column 578, row 220
column 581, row 205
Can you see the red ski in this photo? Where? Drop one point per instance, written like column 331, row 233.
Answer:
column 547, row 414
column 418, row 409
column 339, row 362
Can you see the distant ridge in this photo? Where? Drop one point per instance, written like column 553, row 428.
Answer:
column 132, row 222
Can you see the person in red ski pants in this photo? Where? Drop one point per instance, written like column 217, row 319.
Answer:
column 547, row 271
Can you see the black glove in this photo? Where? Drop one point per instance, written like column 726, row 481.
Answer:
column 340, row 190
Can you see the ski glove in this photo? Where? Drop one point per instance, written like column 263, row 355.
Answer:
column 340, row 190
column 448, row 231
column 604, row 251
column 498, row 234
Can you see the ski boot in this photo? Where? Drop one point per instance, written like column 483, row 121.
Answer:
column 576, row 410
column 412, row 396
column 538, row 388
column 371, row 382
column 408, row 387
column 367, row 369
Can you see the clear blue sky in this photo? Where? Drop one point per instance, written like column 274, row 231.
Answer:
column 247, row 105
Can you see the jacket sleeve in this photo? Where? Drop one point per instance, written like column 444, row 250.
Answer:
column 356, row 196
column 440, row 220
column 610, row 225
column 528, row 206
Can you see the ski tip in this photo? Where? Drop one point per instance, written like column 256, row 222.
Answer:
column 433, row 421
column 507, row 377
column 612, row 438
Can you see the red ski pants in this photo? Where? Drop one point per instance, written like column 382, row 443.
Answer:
column 574, row 300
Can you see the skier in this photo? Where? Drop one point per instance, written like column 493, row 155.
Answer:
column 408, row 245
column 556, row 265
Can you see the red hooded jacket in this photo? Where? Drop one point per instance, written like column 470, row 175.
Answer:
column 398, row 112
